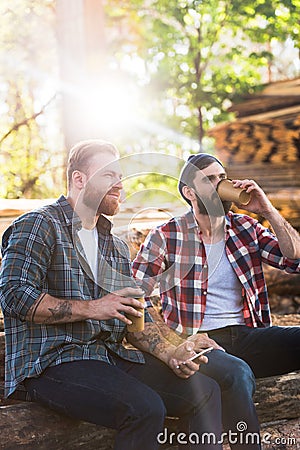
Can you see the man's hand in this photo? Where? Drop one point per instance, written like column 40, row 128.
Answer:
column 179, row 360
column 111, row 306
column 202, row 341
column 288, row 237
column 259, row 202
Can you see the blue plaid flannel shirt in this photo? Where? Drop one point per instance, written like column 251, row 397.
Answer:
column 39, row 255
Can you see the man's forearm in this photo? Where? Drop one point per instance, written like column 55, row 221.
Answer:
column 49, row 309
column 200, row 340
column 288, row 237
column 152, row 341
column 167, row 332
column 115, row 305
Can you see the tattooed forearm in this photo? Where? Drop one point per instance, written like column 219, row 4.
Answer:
column 32, row 310
column 165, row 331
column 61, row 313
column 152, row 341
column 47, row 309
column 150, row 338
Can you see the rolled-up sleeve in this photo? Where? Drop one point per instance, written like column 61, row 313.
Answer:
column 271, row 253
column 26, row 250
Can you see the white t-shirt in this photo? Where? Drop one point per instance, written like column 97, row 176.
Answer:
column 224, row 305
column 89, row 240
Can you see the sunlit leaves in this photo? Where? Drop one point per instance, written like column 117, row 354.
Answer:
column 211, row 52
column 28, row 65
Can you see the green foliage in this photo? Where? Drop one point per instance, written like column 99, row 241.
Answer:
column 203, row 55
column 194, row 58
column 30, row 166
column 152, row 187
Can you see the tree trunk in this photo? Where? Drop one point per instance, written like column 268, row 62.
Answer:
column 81, row 46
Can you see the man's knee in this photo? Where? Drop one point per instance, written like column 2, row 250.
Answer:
column 150, row 407
column 229, row 371
column 240, row 377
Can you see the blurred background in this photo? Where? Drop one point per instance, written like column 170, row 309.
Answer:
column 160, row 79
column 151, row 76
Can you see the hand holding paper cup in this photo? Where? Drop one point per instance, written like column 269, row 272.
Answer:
column 228, row 192
column 137, row 322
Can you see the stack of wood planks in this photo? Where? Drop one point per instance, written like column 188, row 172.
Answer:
column 274, row 141
column 263, row 143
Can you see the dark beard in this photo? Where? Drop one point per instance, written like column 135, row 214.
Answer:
column 214, row 207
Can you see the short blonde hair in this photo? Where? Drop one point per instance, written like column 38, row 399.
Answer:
column 81, row 154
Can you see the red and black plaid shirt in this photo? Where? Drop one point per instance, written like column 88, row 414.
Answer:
column 173, row 256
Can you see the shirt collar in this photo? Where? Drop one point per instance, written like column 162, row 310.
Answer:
column 192, row 223
column 104, row 225
column 228, row 220
column 190, row 219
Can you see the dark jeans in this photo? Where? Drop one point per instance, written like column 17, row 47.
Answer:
column 268, row 351
column 251, row 352
column 133, row 399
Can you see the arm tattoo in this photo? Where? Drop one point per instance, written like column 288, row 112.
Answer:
column 62, row 311
column 34, row 307
column 149, row 340
column 169, row 334
column 153, row 340
column 165, row 331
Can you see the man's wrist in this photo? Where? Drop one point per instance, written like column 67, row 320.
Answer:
column 271, row 214
column 169, row 353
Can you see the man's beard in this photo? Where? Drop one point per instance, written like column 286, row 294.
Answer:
column 108, row 208
column 214, row 206
column 99, row 203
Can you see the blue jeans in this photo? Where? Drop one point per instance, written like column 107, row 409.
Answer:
column 268, row 351
column 132, row 398
column 237, row 383
column 251, row 352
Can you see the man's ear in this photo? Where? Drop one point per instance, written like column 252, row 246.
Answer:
column 189, row 193
column 79, row 179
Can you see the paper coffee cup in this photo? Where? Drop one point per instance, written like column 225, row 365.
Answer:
column 228, row 192
column 137, row 322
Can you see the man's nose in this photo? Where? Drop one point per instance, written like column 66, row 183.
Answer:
column 118, row 184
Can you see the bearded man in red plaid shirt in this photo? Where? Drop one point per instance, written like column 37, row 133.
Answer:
column 208, row 265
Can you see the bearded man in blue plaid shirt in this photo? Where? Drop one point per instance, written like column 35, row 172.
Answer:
column 208, row 264
column 65, row 288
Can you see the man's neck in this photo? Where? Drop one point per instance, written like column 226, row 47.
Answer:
column 212, row 228
column 86, row 215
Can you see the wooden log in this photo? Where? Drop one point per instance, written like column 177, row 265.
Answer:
column 278, row 397
column 30, row 426
column 33, row 427
column 281, row 435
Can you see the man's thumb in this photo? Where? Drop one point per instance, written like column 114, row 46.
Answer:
column 189, row 346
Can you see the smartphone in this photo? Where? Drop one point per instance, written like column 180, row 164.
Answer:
column 206, row 350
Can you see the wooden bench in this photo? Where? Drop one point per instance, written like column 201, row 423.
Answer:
column 27, row 425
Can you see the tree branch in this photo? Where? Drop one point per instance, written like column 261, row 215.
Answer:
column 26, row 121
